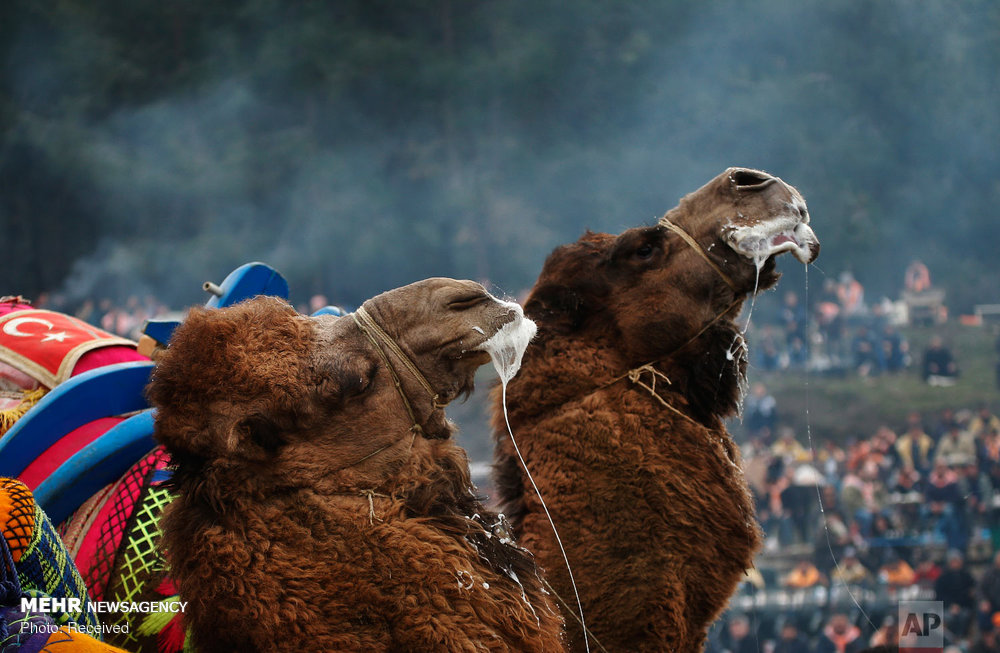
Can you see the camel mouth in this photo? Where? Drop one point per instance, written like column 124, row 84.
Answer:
column 507, row 345
column 768, row 239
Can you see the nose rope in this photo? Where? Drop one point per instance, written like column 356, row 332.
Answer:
column 376, row 334
column 634, row 375
column 686, row 237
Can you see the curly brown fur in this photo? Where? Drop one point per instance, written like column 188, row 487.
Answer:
column 649, row 499
column 309, row 515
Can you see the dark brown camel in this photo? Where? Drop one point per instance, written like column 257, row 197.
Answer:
column 619, row 408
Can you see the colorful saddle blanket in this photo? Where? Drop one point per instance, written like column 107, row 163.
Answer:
column 39, row 350
column 44, row 604
column 114, row 538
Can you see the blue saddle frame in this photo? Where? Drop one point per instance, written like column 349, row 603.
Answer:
column 246, row 281
column 102, row 462
column 105, row 392
column 109, row 392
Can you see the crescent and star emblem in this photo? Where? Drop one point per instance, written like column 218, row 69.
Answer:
column 10, row 327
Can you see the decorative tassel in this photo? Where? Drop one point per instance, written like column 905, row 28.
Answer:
column 173, row 638
column 154, row 622
column 167, row 626
column 189, row 643
column 28, row 399
column 167, row 587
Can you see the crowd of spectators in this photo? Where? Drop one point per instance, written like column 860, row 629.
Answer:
column 126, row 320
column 896, row 514
column 843, row 333
column 909, row 512
column 869, row 343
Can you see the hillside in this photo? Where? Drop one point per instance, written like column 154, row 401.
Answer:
column 841, row 408
column 825, row 407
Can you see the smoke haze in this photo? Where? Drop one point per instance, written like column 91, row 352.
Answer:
column 363, row 146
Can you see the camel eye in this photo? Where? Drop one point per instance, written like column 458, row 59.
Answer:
column 467, row 301
column 645, row 251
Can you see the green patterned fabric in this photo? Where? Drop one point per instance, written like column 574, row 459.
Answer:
column 141, row 556
column 140, row 565
column 45, row 569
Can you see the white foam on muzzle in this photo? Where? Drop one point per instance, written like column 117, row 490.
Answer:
column 506, row 348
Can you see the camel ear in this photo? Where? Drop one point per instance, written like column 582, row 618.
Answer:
column 255, row 436
column 337, row 379
column 345, row 376
column 571, row 288
column 261, row 431
column 559, row 307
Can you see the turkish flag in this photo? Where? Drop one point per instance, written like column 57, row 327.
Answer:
column 46, row 345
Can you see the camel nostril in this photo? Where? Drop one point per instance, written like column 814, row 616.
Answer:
column 746, row 179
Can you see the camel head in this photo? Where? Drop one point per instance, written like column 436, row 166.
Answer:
column 450, row 328
column 746, row 218
column 652, row 289
column 263, row 387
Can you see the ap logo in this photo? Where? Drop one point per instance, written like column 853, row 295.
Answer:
column 921, row 627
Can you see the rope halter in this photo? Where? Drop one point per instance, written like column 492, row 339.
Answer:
column 687, row 238
column 635, row 375
column 382, row 340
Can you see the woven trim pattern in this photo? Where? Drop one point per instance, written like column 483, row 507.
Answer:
column 125, row 494
column 75, row 528
column 45, row 569
column 142, row 554
column 142, row 564
column 17, row 515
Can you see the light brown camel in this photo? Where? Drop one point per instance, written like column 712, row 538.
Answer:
column 322, row 504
